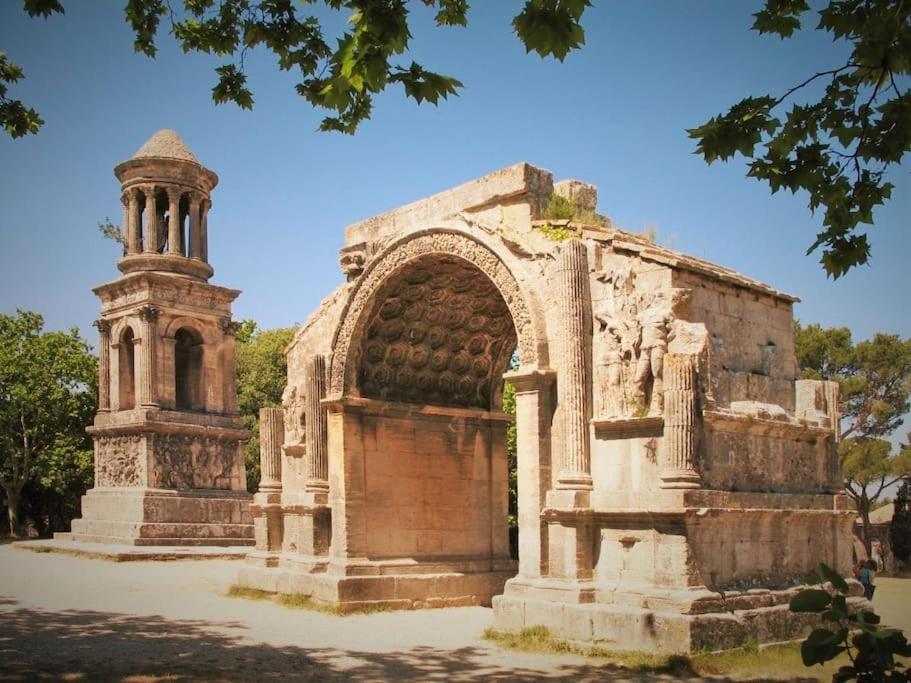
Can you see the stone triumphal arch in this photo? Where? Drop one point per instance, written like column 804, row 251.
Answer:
column 675, row 480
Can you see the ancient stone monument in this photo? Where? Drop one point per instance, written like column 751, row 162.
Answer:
column 169, row 466
column 675, row 483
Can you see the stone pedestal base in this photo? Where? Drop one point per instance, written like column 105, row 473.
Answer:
column 654, row 620
column 389, row 585
column 161, row 517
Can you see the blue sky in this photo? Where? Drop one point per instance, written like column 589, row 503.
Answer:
column 613, row 114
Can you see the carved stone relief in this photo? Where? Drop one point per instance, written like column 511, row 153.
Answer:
column 192, row 462
column 633, row 327
column 118, row 461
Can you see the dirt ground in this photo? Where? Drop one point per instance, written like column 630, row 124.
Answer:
column 69, row 618
column 66, row 617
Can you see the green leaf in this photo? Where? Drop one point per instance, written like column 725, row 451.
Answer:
column 810, row 600
column 833, row 577
column 551, row 27
column 43, row 8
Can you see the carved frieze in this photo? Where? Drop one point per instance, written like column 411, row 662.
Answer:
column 183, row 461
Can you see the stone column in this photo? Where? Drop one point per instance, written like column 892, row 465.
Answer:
column 174, row 222
column 104, row 365
column 318, row 471
column 574, row 385
column 229, row 394
column 134, row 222
column 147, row 395
column 680, row 422
column 194, row 226
column 271, row 436
column 151, row 233
column 533, row 466
column 204, row 230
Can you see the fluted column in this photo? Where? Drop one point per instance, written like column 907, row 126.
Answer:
column 318, row 473
column 151, row 232
column 204, row 230
column 271, row 436
column 174, row 222
column 574, row 385
column 147, row 395
column 680, row 422
column 104, row 365
column 134, row 222
column 194, row 225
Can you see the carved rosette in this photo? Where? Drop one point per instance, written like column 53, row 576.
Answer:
column 271, row 435
column 343, row 373
column 680, row 422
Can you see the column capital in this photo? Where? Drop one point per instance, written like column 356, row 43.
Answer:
column 104, row 326
column 174, row 192
column 228, row 326
column 149, row 314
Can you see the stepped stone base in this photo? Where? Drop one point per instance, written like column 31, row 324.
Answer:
column 161, row 517
column 63, row 544
column 663, row 621
column 378, row 585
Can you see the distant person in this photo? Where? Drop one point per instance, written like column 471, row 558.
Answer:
column 865, row 576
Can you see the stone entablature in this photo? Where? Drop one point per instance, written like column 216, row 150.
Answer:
column 668, row 459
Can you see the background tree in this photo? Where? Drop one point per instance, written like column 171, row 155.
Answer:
column 900, row 529
column 48, row 386
column 262, row 373
column 869, row 468
column 836, row 146
column 874, row 378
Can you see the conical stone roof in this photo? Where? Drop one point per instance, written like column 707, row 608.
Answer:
column 166, row 144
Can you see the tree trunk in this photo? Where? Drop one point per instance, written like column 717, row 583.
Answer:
column 864, row 509
column 12, row 511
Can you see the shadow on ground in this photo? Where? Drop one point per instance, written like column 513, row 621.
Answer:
column 88, row 645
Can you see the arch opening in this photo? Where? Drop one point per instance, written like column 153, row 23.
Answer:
column 126, row 362
column 438, row 338
column 188, row 370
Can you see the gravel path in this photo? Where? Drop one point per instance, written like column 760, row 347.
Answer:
column 69, row 618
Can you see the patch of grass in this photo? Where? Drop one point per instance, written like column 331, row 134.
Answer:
column 539, row 639
column 749, row 660
column 236, row 591
column 301, row 601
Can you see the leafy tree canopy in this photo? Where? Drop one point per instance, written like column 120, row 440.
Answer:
column 874, row 379
column 367, row 57
column 48, row 386
column 836, row 148
column 262, row 373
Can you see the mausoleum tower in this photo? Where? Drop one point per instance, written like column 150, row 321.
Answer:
column 169, row 466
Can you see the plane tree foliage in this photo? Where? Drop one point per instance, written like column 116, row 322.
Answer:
column 341, row 75
column 835, row 133
column 48, row 389
column 874, row 378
